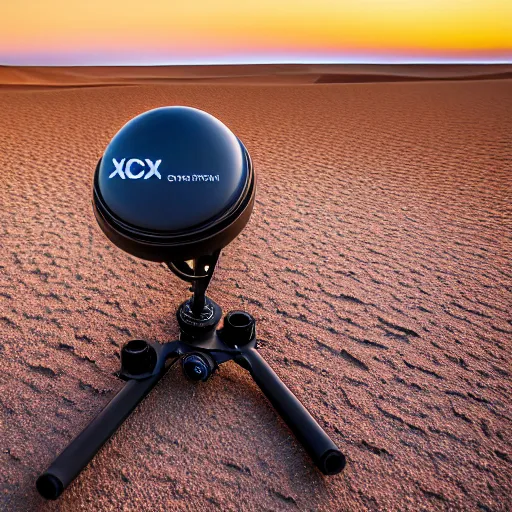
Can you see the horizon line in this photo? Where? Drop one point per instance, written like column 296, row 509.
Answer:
column 269, row 63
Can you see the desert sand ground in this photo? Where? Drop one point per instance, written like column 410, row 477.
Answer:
column 41, row 77
column 376, row 263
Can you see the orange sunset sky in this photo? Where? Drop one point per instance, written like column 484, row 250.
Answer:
column 154, row 32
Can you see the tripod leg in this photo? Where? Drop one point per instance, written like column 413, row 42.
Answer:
column 317, row 443
column 73, row 459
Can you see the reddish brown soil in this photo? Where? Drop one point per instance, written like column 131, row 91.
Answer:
column 375, row 263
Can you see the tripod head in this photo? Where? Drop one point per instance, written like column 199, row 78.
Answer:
column 175, row 185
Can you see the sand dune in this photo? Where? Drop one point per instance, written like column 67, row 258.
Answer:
column 369, row 78
column 274, row 74
column 377, row 263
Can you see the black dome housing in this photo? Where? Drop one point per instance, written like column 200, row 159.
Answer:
column 173, row 184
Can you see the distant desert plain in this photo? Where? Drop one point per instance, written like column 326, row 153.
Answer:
column 377, row 264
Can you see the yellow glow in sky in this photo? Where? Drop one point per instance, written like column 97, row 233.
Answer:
column 177, row 31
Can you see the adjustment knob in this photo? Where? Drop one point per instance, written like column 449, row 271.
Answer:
column 198, row 367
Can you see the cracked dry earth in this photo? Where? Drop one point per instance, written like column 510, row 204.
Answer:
column 376, row 263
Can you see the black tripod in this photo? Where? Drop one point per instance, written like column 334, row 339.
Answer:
column 202, row 348
column 184, row 220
